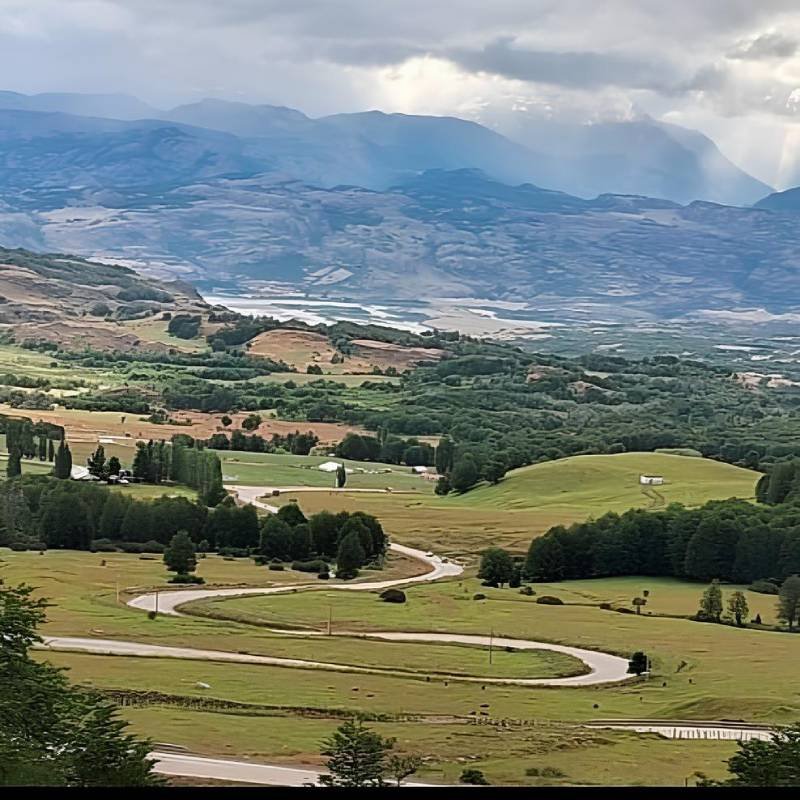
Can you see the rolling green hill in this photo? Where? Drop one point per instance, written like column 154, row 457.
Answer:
column 595, row 484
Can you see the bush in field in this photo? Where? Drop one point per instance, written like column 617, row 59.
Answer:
column 393, row 596
column 549, row 600
column 186, row 577
column 316, row 565
column 764, row 587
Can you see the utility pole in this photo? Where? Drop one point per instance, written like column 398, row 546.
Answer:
column 116, row 588
column 491, row 637
column 156, row 608
column 330, row 619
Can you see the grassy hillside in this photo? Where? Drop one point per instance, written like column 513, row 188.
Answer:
column 592, row 485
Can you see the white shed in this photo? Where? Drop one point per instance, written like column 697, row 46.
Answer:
column 651, row 480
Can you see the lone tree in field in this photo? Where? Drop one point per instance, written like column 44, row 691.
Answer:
column 179, row 555
column 711, row 603
column 62, row 466
column 251, row 422
column 638, row 602
column 638, row 663
column 789, row 601
column 114, row 466
column 356, row 757
column 226, row 421
column 738, row 608
column 341, row 476
column 497, row 566
column 401, row 766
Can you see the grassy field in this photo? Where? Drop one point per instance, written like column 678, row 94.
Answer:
column 273, row 469
column 595, row 484
column 531, row 500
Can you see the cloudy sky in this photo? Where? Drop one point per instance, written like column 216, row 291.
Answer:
column 730, row 68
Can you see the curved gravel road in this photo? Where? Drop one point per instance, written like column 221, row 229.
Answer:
column 603, row 667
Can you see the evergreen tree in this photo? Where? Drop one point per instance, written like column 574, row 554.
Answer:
column 545, row 560
column 42, row 448
column 51, row 451
column 138, row 523
column 62, row 467
column 341, row 476
column 356, row 757
column 16, row 514
column 114, row 466
column 769, row 764
column 291, row 515
column 97, row 462
column 711, row 603
column 495, row 470
column 180, row 555
column 65, row 521
column 789, row 601
column 112, row 517
column 738, row 608
column 14, row 463
column 51, row 733
column 324, row 533
column 350, row 556
column 444, row 455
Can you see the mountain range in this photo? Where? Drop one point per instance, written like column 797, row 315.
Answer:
column 380, row 205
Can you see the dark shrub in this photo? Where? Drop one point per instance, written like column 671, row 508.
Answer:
column 623, row 610
column 152, row 547
column 764, row 587
column 151, row 615
column 323, row 576
column 186, row 578
column 605, row 606
column 234, row 552
column 479, row 596
column 18, row 547
column 102, row 546
column 276, row 567
column 549, row 600
column 473, row 777
column 317, row 565
column 393, row 596
column 527, row 591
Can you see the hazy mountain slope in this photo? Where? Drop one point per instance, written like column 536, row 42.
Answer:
column 375, row 150
column 48, row 157
column 639, row 157
column 787, row 201
column 448, row 234
column 113, row 106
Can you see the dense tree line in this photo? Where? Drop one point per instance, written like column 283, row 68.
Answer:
column 386, row 448
column 730, row 540
column 299, row 444
column 352, row 539
column 781, row 484
column 37, row 510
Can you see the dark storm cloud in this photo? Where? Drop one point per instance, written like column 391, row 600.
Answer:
column 583, row 70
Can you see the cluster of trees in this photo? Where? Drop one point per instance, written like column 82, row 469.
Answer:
column 24, row 439
column 184, row 326
column 53, row 733
column 730, row 540
column 462, row 469
column 781, row 484
column 386, row 448
column 200, row 469
column 352, row 539
column 358, row 758
column 38, row 511
column 299, row 444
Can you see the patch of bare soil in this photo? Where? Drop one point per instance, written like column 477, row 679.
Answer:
column 78, row 335
column 299, row 349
